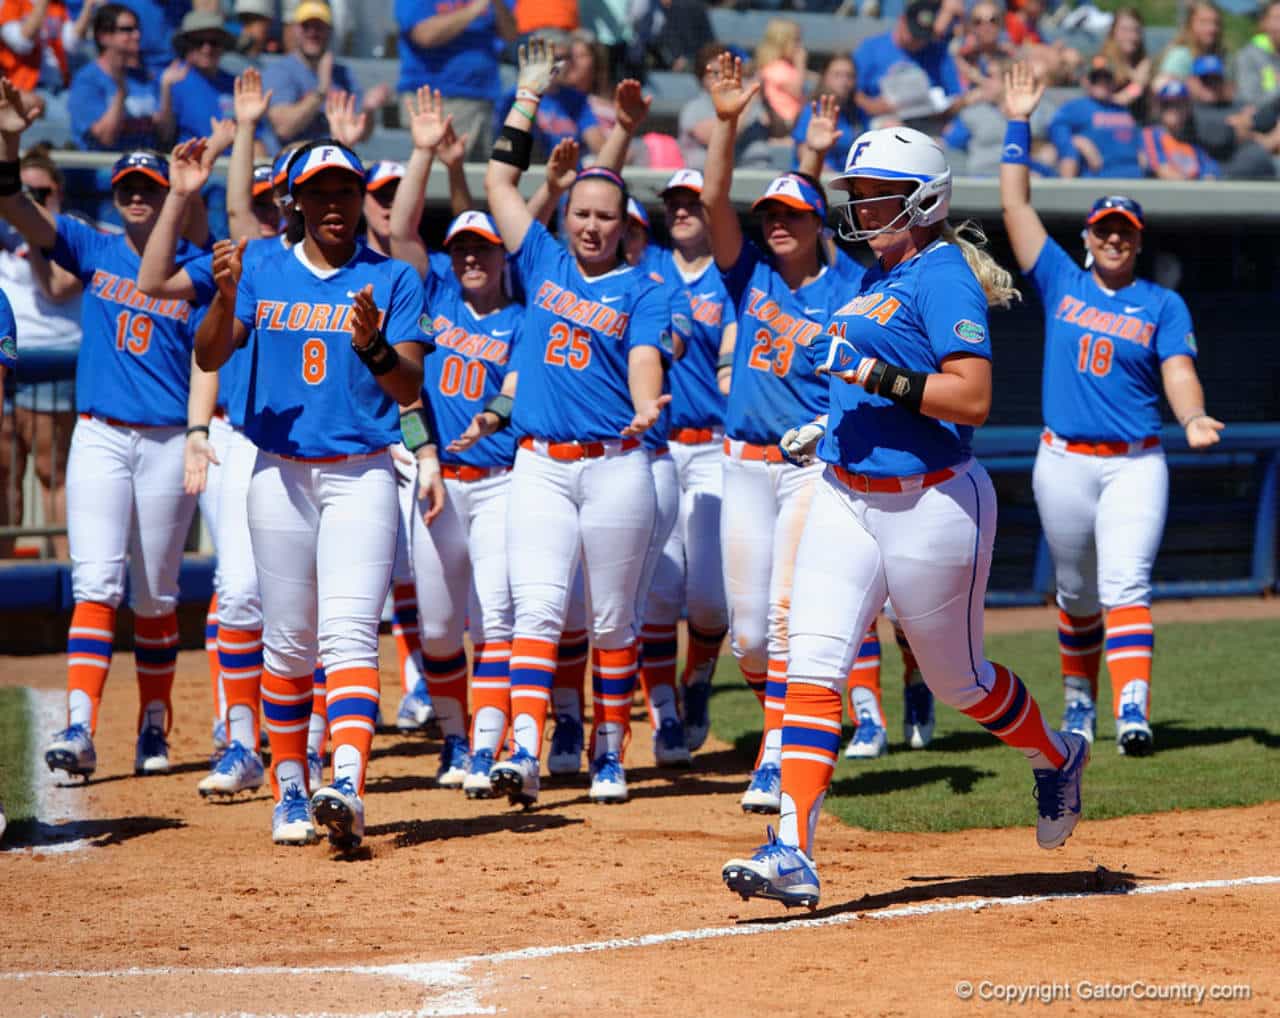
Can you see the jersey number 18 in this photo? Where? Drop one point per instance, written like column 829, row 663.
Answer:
column 1095, row 355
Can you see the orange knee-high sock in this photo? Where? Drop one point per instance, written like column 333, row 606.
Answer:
column 1131, row 641
column 864, row 679
column 613, row 684
column 490, row 695
column 352, row 699
column 1080, row 648
column 89, row 640
column 569, row 687
column 404, row 629
column 447, row 684
column 704, row 648
column 533, row 669
column 810, row 744
column 658, row 671
column 211, row 652
column 755, row 682
column 1011, row 714
column 775, row 702
column 286, row 703
column 910, row 668
column 156, row 654
column 240, row 659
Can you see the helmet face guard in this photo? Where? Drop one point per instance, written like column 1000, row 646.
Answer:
column 927, row 204
column 896, row 154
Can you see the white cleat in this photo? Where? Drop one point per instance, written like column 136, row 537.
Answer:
column 517, row 778
column 608, row 779
column 71, row 750
column 341, row 810
column 776, row 871
column 764, row 793
column 292, row 822
column 152, row 753
column 237, row 770
column 917, row 713
column 1058, row 794
column 1133, row 732
column 869, row 741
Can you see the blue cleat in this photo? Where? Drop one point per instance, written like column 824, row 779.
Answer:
column 477, row 784
column 71, row 750
column 764, row 793
column 237, row 770
column 566, row 746
column 669, row 746
column 341, row 810
column 152, row 753
column 917, row 714
column 1133, row 732
column 292, row 822
column 415, row 709
column 776, row 871
column 869, row 741
column 517, row 778
column 608, row 779
column 1058, row 793
column 455, row 762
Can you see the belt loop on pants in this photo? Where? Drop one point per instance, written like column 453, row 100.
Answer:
column 570, row 451
column 739, row 450
column 891, row 485
column 1099, row 448
column 465, row 472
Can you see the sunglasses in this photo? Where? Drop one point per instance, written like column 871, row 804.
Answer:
column 127, row 29
column 39, row 195
column 216, row 41
column 993, row 20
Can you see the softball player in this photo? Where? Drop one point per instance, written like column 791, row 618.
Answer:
column 903, row 509
column 781, row 299
column 322, row 500
column 1112, row 343
column 581, row 484
column 125, row 496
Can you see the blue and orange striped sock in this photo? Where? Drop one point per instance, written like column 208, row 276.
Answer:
column 156, row 656
column 286, row 705
column 533, row 670
column 1131, row 643
column 775, row 703
column 1011, row 714
column 490, row 695
column 447, row 684
column 1080, row 648
column 219, row 698
column 89, row 642
column 318, row 724
column 404, row 630
column 613, row 685
column 864, row 680
column 240, row 659
column 352, row 702
column 658, row 671
column 810, row 745
column 568, row 691
column 704, row 648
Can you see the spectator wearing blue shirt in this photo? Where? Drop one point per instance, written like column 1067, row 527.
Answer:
column 114, row 101
column 839, row 79
column 300, row 83
column 1170, row 153
column 1094, row 135
column 204, row 91
column 906, row 75
column 452, row 46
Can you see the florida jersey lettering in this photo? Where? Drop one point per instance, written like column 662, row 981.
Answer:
column 1103, row 351
column 135, row 356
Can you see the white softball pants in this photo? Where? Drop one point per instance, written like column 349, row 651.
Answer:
column 239, row 605
column 666, row 490
column 125, row 502
column 1103, row 517
column 928, row 551
column 406, row 469
column 600, row 510
column 324, row 536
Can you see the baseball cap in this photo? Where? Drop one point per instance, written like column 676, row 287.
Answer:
column 479, row 223
column 795, row 192
column 255, row 9
column 203, row 21
column 147, row 163
column 1172, row 92
column 321, row 156
column 920, row 17
column 312, row 10
column 1208, row 66
column 382, row 173
column 636, row 212
column 1116, row 205
column 689, row 180
column 263, row 178
column 1099, row 66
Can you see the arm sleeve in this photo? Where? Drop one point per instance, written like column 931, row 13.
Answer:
column 1050, row 269
column 406, row 320
column 737, row 277
column 1175, row 336
column 78, row 248
column 539, row 256
column 246, row 301
column 954, row 315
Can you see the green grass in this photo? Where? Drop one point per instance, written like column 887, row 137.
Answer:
column 1237, row 29
column 1216, row 720
column 16, row 733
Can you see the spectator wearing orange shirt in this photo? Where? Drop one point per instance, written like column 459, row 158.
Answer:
column 38, row 36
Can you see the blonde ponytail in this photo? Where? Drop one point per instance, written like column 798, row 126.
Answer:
column 995, row 279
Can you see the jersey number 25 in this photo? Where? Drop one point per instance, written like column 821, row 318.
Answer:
column 568, row 346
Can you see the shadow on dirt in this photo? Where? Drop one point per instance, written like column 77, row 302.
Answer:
column 960, row 779
column 95, row 833
column 417, row 832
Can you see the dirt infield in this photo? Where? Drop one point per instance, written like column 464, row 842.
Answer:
column 170, row 905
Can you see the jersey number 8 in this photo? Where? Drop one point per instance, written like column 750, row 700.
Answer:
column 314, row 358
column 133, row 333
column 1095, row 355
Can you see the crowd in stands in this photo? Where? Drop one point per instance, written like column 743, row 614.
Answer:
column 154, row 72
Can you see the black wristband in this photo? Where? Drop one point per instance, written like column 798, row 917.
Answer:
column 500, row 406
column 725, row 360
column 513, row 147
column 898, row 384
column 10, row 177
column 379, row 356
column 198, row 427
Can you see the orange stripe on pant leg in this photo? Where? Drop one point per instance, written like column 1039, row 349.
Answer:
column 613, row 684
column 571, row 664
column 774, row 703
column 658, row 665
column 1080, row 648
column 211, row 652
column 240, row 657
column 491, row 683
column 156, row 653
column 1130, row 645
column 533, row 670
column 286, row 703
column 865, row 673
column 404, row 629
column 1011, row 714
column 810, row 743
column 352, row 699
column 89, row 642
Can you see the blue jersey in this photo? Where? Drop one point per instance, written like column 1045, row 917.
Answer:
column 1103, row 350
column 1109, row 126
column 697, row 401
column 309, row 394
column 233, row 376
column 580, row 333
column 915, row 315
column 472, row 356
column 92, row 92
column 8, row 335
column 774, row 387
column 135, row 356
column 465, row 67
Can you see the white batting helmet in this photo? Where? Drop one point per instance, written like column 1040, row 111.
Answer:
column 897, row 153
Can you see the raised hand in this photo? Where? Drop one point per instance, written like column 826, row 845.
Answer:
column 15, row 115
column 728, row 94
column 250, row 101
column 1022, row 92
column 228, row 263
column 427, row 121
column 345, row 124
column 452, row 150
column 538, row 66
column 364, row 317
column 196, row 458
column 646, row 417
column 221, row 134
column 188, row 171
column 824, row 124
column 562, row 165
column 631, row 104
column 378, row 96
column 324, row 71
column 174, row 73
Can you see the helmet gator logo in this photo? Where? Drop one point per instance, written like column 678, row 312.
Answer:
column 427, row 324
column 9, row 348
column 970, row 332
